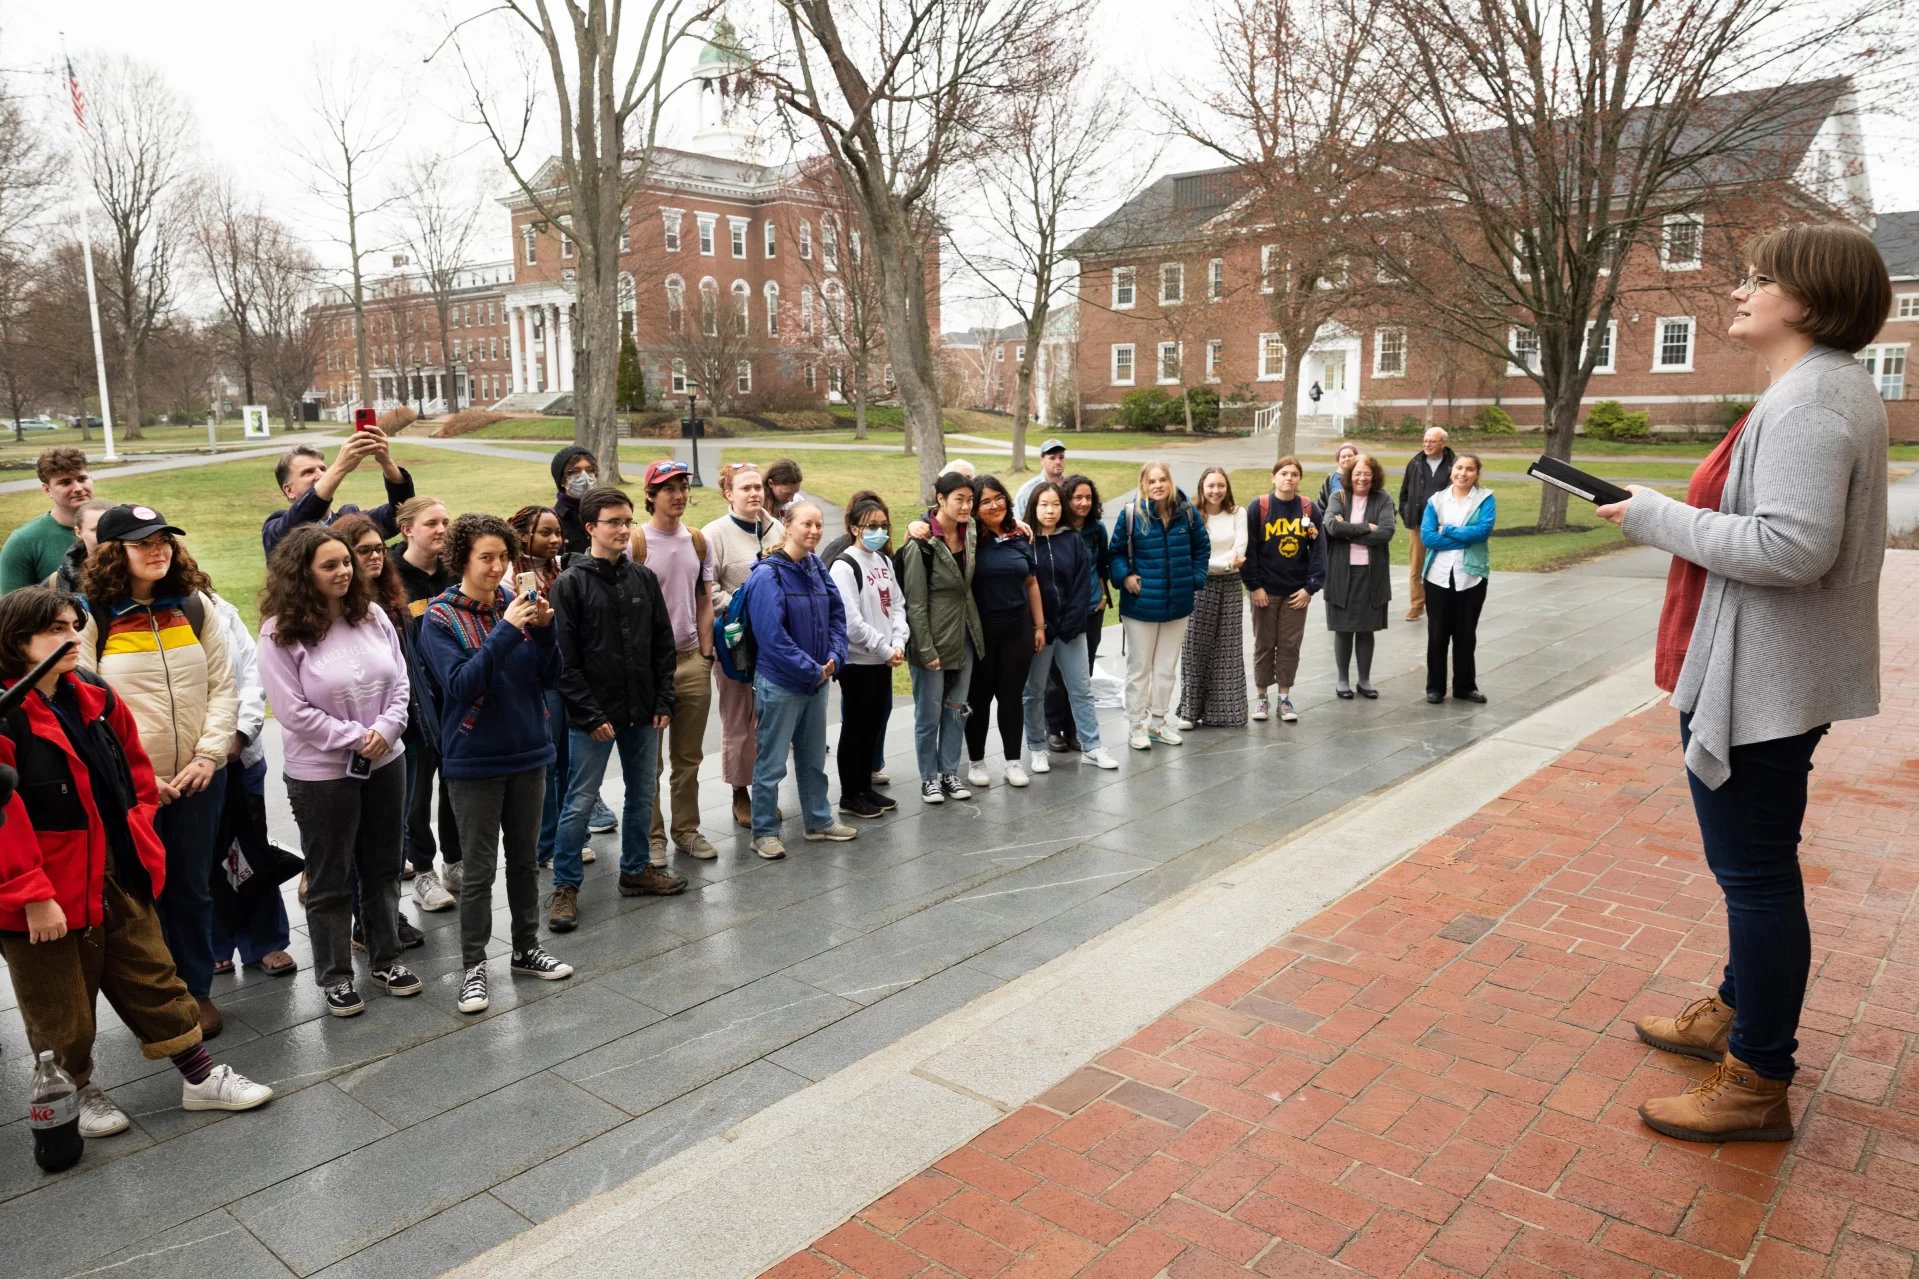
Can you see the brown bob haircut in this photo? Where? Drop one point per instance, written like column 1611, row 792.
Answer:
column 26, row 612
column 1836, row 271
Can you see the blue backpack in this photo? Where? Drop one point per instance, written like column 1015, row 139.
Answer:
column 733, row 642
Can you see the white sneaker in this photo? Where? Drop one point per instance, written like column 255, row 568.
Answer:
column 1183, row 724
column 1042, row 763
column 697, row 845
column 881, row 779
column 452, row 877
column 976, row 777
column 224, row 1089
column 429, row 894
column 838, row 832
column 1099, row 759
column 1167, row 733
column 1139, row 739
column 1261, row 709
column 588, row 856
column 99, row 1117
column 1015, row 775
column 1286, row 712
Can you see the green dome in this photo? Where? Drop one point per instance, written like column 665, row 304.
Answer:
column 723, row 48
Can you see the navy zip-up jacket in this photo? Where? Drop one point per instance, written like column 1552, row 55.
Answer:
column 1065, row 572
column 489, row 689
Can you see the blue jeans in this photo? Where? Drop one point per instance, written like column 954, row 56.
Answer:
column 797, row 720
column 639, row 747
column 1750, row 829
column 1070, row 657
column 189, row 827
column 556, row 779
column 939, row 717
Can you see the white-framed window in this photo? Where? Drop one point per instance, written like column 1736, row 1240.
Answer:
column 1019, row 353
column 806, row 309
column 811, row 373
column 853, row 244
column 806, row 241
column 1672, row 352
column 1123, row 288
column 456, row 348
column 772, row 293
column 493, row 348
column 1172, row 283
column 1216, row 279
column 1604, row 362
column 1334, row 277
column 708, row 222
column 629, row 297
column 1906, row 307
column 1610, row 249
column 710, row 307
column 736, row 236
column 999, row 353
column 529, row 240
column 1168, row 362
column 1525, row 344
column 566, row 239
column 771, row 237
column 489, row 314
column 626, row 230
column 1682, row 242
column 1389, row 353
column 836, row 379
column 742, row 308
column 1520, row 270
column 831, row 296
column 830, row 242
column 1215, row 358
column 675, row 303
column 1122, row 364
column 743, row 374
column 670, row 221
column 1887, row 366
column 679, row 377
column 1268, row 267
column 1272, row 357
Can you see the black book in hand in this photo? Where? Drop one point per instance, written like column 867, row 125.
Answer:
column 1551, row 470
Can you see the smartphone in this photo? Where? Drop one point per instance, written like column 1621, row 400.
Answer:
column 363, row 418
column 358, row 765
column 527, row 584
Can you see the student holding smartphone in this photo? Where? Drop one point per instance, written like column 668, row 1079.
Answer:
column 336, row 677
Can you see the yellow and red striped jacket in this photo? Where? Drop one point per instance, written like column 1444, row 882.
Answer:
column 179, row 685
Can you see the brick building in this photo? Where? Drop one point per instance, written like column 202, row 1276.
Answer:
column 1897, row 235
column 1173, row 293
column 410, row 359
column 981, row 366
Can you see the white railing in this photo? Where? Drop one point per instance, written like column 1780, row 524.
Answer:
column 1266, row 419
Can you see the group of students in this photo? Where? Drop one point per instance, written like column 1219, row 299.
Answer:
column 509, row 658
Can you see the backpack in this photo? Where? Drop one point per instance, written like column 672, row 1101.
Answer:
column 637, row 548
column 733, row 644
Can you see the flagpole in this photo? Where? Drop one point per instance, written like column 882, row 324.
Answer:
column 86, row 251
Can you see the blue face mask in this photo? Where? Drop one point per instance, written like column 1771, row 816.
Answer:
column 873, row 538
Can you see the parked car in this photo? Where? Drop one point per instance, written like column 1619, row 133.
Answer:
column 94, row 422
column 41, row 423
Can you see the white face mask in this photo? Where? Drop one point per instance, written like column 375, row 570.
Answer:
column 579, row 485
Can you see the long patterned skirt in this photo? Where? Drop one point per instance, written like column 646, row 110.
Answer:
column 1212, row 662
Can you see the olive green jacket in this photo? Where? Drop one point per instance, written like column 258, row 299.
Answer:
column 941, row 614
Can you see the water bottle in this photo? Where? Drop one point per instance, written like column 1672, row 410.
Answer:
column 54, row 1115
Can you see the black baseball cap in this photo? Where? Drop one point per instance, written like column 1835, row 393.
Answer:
column 132, row 522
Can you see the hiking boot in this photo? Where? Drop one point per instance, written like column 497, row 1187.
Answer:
column 563, row 914
column 654, row 881
column 1699, row 1030
column 1731, row 1104
column 743, row 806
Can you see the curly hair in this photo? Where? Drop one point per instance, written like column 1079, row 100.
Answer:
column 983, row 485
column 389, row 592
column 106, row 580
column 470, row 528
column 291, row 597
column 61, row 459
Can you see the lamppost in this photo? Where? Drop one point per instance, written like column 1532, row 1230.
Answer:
column 693, row 427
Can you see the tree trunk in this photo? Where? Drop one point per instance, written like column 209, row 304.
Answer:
column 130, row 396
column 901, row 269
column 1562, row 417
column 1022, row 400
column 859, row 400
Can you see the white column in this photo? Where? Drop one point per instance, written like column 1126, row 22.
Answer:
column 516, row 375
column 566, row 346
column 552, row 327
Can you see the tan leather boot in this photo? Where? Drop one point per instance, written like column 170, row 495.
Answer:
column 743, row 806
column 1699, row 1030
column 1731, row 1104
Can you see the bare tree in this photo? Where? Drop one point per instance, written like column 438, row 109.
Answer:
column 26, row 191
column 440, row 227
column 290, row 338
column 608, row 77
column 846, row 318
column 1064, row 136
column 139, row 149
column 899, row 90
column 60, row 353
column 1547, row 141
column 234, row 240
column 342, row 167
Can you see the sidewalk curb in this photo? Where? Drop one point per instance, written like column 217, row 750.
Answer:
column 740, row 1202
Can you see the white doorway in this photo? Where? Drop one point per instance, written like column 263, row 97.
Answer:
column 1334, row 369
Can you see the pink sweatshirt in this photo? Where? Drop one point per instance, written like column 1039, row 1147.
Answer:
column 327, row 695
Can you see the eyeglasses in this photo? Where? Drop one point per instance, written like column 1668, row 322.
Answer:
column 1755, row 282
column 881, row 528
column 612, row 523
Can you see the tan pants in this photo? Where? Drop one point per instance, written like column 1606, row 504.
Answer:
column 1416, row 557
column 1278, row 630
column 58, row 982
column 739, row 730
column 685, row 738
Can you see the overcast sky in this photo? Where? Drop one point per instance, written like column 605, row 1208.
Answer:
column 245, row 67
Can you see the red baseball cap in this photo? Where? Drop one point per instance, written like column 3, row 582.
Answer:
column 662, row 471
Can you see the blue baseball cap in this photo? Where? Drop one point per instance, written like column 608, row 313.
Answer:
column 1052, row 446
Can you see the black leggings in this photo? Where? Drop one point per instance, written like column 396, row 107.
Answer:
column 1345, row 645
column 866, row 694
column 1000, row 672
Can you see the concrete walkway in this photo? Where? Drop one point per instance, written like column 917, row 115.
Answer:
column 409, row 1139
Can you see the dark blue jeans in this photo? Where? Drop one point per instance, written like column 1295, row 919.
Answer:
column 189, row 827
column 1750, row 827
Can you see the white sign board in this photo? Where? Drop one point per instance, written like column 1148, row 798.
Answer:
column 255, row 417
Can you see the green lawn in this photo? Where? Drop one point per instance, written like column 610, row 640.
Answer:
column 155, row 439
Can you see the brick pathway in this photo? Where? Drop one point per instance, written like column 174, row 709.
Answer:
column 1439, row 1076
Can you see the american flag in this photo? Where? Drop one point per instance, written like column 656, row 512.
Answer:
column 79, row 98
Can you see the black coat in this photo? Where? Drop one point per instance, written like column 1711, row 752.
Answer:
column 1064, row 568
column 616, row 643
column 1421, row 482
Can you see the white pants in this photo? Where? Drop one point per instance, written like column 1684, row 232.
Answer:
column 1152, row 656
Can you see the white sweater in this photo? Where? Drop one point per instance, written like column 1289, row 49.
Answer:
column 1228, row 531
column 875, row 608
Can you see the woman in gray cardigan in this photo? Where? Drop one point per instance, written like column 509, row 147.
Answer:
column 1785, row 641
column 1359, row 572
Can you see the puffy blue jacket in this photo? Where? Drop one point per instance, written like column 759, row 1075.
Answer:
column 1169, row 558
column 799, row 621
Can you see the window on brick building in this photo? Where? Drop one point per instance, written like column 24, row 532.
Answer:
column 830, row 242
column 670, row 220
column 772, row 292
column 626, row 230
column 1268, row 268
column 1674, row 354
column 679, row 377
column 675, row 303
column 811, row 373
column 1019, row 353
column 744, row 374
column 806, row 241
column 1272, row 357
column 1123, row 364
column 770, row 234
column 1169, row 362
column 566, row 239
column 1389, row 353
column 1172, row 283
column 1122, row 288
column 1216, row 279
column 1524, row 344
column 853, row 244
column 706, row 222
column 742, row 308
column 737, row 229
column 1907, row 307
column 710, row 307
column 1608, row 343
column 1682, row 242
column 1886, row 365
column 836, row 379
column 806, row 309
column 1215, row 358
column 527, row 240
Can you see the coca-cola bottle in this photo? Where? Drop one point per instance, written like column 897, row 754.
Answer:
column 54, row 1115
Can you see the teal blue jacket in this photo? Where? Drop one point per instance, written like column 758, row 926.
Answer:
column 1470, row 539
